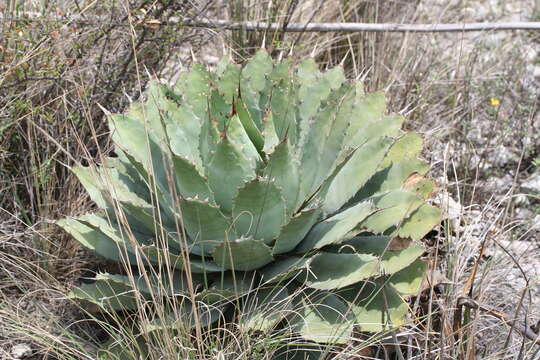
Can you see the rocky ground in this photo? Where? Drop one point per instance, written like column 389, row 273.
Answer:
column 486, row 154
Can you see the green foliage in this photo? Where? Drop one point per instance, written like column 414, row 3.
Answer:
column 268, row 187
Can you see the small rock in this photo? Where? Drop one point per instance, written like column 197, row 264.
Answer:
column 209, row 59
column 536, row 71
column 499, row 185
column 21, row 351
column 530, row 55
column 517, row 247
column 495, row 40
column 521, row 200
column 522, row 213
column 536, row 222
column 502, row 157
column 532, row 184
column 450, row 208
column 478, row 162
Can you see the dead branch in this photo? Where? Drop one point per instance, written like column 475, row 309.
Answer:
column 290, row 27
column 505, row 318
column 359, row 27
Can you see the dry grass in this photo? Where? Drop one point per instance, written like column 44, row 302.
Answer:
column 480, row 151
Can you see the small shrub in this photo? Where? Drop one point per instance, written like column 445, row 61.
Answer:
column 270, row 194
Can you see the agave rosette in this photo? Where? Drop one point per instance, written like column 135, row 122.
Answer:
column 262, row 182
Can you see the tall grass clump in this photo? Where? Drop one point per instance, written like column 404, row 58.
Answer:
column 54, row 74
column 58, row 64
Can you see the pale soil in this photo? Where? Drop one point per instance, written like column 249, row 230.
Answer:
column 492, row 141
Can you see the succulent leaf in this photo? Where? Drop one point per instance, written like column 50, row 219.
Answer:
column 155, row 112
column 227, row 287
column 390, row 260
column 329, row 271
column 184, row 316
column 196, row 89
column 136, row 140
column 394, row 207
column 227, row 171
column 243, row 254
column 416, row 226
column 406, row 147
column 151, row 284
column 409, row 280
column 323, row 318
column 178, row 261
column 282, row 167
column 219, row 111
column 271, row 138
column 284, row 269
column 392, row 177
column 295, row 230
column 263, row 309
column 259, row 210
column 120, row 172
column 331, row 146
column 189, row 181
column 184, row 132
column 206, row 225
column 335, row 77
column 87, row 177
column 421, row 185
column 333, row 230
column 253, row 81
column 254, row 133
column 283, row 107
column 375, row 307
column 257, row 71
column 237, row 134
column 313, row 90
column 108, row 292
column 388, row 125
column 229, row 80
column 367, row 109
column 122, row 201
column 355, row 173
column 95, row 240
column 208, row 141
column 313, row 149
column 118, row 233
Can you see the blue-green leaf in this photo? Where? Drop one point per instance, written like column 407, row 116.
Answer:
column 295, row 231
column 243, row 254
column 227, row 171
column 334, row 229
column 259, row 210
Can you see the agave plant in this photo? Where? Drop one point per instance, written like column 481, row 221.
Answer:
column 278, row 187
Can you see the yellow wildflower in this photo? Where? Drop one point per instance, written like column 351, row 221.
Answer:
column 494, row 101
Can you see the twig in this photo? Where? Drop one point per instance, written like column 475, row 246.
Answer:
column 288, row 27
column 525, row 331
column 358, row 27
